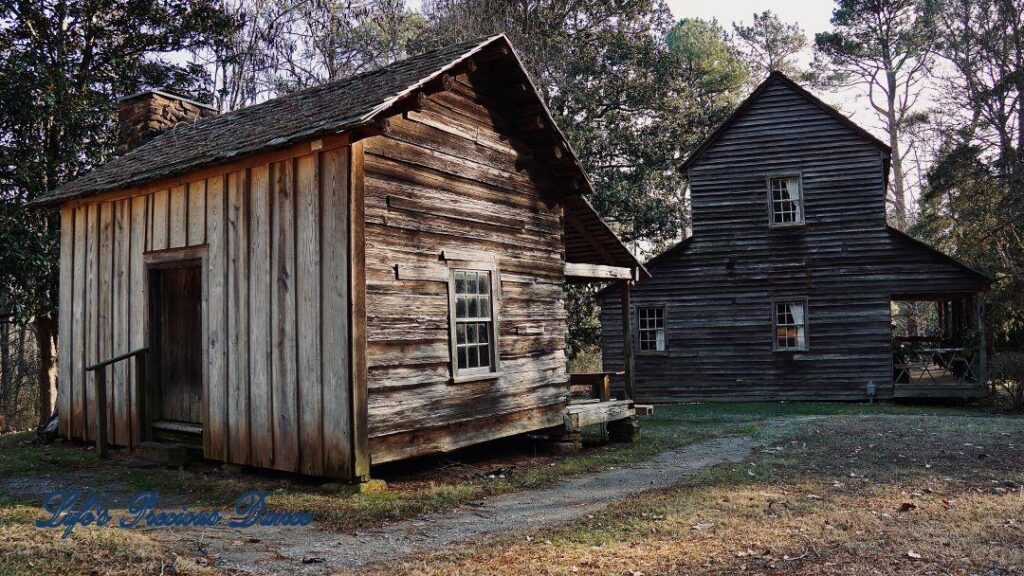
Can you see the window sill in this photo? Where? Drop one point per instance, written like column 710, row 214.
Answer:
column 474, row 377
column 651, row 352
column 791, row 350
column 789, row 227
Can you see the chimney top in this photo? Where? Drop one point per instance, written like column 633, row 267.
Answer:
column 143, row 115
column 169, row 96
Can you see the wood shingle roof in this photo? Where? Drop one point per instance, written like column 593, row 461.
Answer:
column 321, row 110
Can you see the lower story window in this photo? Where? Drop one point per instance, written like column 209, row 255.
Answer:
column 791, row 325
column 473, row 320
column 651, row 328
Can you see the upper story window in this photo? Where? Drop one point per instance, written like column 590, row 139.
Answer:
column 786, row 198
column 790, row 319
column 473, row 322
column 650, row 328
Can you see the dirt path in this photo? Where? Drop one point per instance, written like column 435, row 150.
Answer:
column 312, row 551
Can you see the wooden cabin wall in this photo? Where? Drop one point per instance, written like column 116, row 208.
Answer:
column 276, row 310
column 446, row 179
column 718, row 289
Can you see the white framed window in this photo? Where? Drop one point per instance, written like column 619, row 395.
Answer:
column 790, row 324
column 650, row 332
column 786, row 200
column 473, row 322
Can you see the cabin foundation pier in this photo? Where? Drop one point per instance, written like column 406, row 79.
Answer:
column 562, row 441
column 626, row 430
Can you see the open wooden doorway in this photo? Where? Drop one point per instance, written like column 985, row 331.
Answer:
column 176, row 346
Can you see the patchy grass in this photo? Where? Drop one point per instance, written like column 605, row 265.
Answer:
column 441, row 484
column 871, row 494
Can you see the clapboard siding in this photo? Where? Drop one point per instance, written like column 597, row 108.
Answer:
column 446, row 178
column 276, row 323
column 718, row 285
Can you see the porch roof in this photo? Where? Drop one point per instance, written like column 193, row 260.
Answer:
column 935, row 272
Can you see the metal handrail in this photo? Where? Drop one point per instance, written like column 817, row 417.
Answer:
column 100, row 381
column 117, row 359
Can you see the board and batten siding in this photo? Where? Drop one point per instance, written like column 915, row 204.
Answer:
column 447, row 179
column 276, row 390
column 719, row 285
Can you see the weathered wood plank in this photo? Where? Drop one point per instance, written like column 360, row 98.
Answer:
column 450, row 437
column 600, row 412
column 160, row 220
column 92, row 336
column 78, row 361
column 357, row 306
column 238, row 317
column 215, row 412
column 121, row 297
column 65, row 322
column 597, row 271
column 336, row 366
column 104, row 295
column 308, row 318
column 137, row 305
column 284, row 385
column 260, row 339
column 196, row 212
column 178, row 218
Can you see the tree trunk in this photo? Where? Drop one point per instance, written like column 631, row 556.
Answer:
column 8, row 376
column 45, row 375
column 892, row 125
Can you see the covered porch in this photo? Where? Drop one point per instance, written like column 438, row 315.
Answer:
column 594, row 254
column 939, row 346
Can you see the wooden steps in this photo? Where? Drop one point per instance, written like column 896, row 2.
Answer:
column 167, row 453
column 172, row 432
column 588, row 413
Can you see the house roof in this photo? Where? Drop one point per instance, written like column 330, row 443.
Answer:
column 322, row 110
column 773, row 78
column 336, row 108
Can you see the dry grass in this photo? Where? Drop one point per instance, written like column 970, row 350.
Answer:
column 842, row 527
column 874, row 495
column 28, row 551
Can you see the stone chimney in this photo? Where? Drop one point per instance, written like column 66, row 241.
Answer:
column 144, row 115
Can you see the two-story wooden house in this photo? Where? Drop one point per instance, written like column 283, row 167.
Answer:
column 784, row 290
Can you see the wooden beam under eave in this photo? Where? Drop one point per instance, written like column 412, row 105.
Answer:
column 585, row 234
column 597, row 271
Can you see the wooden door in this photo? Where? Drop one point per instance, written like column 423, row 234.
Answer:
column 176, row 312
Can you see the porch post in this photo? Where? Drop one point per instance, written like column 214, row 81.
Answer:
column 943, row 329
column 627, row 339
column 979, row 319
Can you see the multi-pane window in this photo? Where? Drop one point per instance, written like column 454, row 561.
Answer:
column 786, row 200
column 791, row 325
column 650, row 328
column 474, row 321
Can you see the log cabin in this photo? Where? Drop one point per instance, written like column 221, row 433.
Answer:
column 785, row 288
column 364, row 271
